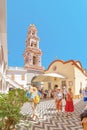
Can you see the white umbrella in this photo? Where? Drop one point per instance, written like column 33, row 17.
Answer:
column 49, row 77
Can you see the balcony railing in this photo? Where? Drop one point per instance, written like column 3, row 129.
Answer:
column 16, row 68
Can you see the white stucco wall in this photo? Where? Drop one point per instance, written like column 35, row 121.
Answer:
column 30, row 76
column 80, row 78
column 3, row 29
column 65, row 69
column 18, row 79
column 18, row 72
column 72, row 73
column 3, row 43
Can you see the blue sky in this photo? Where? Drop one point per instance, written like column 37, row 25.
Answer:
column 61, row 24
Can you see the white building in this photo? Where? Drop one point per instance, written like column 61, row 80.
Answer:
column 19, row 77
column 3, row 44
column 32, row 61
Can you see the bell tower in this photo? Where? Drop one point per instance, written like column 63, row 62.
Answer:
column 32, row 54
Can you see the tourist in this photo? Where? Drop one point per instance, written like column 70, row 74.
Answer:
column 64, row 92
column 55, row 94
column 69, row 107
column 27, row 93
column 80, row 92
column 49, row 93
column 42, row 93
column 52, row 94
column 85, row 96
column 34, row 98
column 55, row 91
column 58, row 100
column 45, row 93
column 39, row 93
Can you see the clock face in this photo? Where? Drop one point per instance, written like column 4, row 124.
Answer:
column 54, row 68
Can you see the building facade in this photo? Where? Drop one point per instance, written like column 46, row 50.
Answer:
column 75, row 75
column 17, row 77
column 22, row 76
column 3, row 45
column 3, row 36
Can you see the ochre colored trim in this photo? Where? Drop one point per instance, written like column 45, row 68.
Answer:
column 73, row 63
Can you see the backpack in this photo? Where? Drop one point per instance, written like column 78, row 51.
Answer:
column 28, row 95
column 36, row 99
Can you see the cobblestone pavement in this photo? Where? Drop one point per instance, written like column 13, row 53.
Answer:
column 51, row 120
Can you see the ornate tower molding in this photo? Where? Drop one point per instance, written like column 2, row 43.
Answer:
column 32, row 54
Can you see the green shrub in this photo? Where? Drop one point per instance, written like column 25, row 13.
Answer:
column 10, row 107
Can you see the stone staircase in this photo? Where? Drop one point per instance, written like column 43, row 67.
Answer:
column 9, row 81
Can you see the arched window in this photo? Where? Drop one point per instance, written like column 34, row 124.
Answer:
column 34, row 60
column 32, row 44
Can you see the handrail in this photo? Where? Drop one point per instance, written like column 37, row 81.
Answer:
column 9, row 80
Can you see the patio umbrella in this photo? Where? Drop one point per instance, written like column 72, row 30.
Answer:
column 49, row 77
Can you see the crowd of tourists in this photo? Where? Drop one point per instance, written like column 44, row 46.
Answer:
column 59, row 95
column 67, row 95
column 35, row 95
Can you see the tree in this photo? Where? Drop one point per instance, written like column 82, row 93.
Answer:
column 10, row 107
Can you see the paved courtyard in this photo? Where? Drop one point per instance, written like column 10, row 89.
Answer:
column 51, row 120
